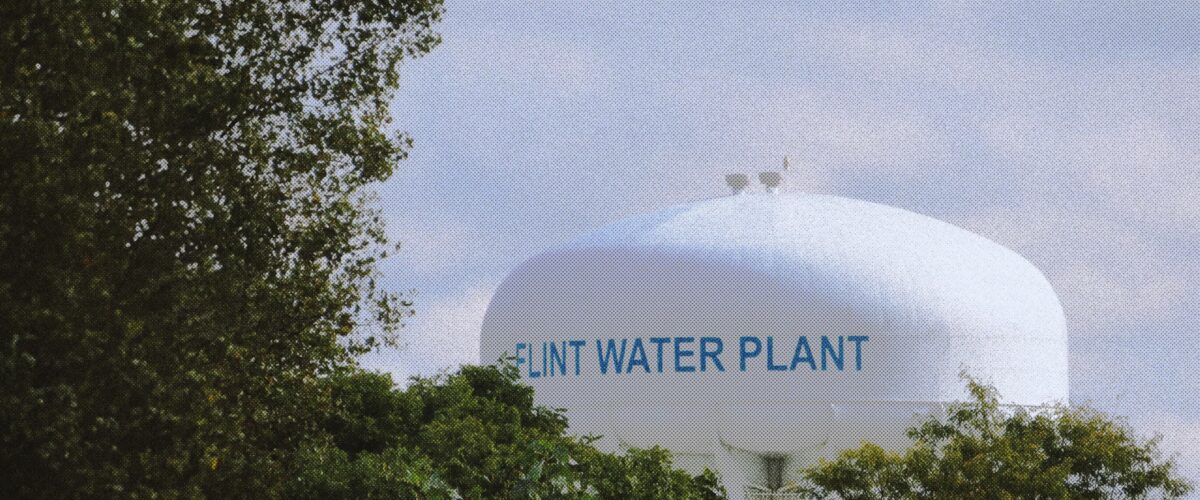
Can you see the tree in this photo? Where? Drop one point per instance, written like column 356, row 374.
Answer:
column 983, row 450
column 186, row 234
column 645, row 474
column 475, row 433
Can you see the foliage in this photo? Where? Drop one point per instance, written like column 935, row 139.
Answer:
column 984, row 450
column 185, row 235
column 475, row 433
column 329, row 472
column 646, row 474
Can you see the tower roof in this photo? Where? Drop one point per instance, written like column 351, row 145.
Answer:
column 869, row 253
column 933, row 298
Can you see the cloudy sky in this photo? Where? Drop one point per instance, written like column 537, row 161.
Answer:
column 1069, row 134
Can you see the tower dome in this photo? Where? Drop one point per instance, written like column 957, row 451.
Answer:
column 780, row 326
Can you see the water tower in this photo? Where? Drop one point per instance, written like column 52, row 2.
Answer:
column 755, row 333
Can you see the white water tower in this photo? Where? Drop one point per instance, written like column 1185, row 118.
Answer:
column 754, row 333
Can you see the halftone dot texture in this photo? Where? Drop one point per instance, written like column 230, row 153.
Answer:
column 1064, row 132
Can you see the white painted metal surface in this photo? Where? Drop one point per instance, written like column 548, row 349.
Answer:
column 906, row 300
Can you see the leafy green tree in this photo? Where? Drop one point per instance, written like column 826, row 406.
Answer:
column 475, row 433
column 645, row 474
column 984, row 450
column 327, row 472
column 186, row 236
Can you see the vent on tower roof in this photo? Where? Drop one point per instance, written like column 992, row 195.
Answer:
column 772, row 180
column 738, row 182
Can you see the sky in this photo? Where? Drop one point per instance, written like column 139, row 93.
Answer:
column 1068, row 133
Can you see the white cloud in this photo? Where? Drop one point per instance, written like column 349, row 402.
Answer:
column 844, row 132
column 513, row 65
column 923, row 52
column 1144, row 168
